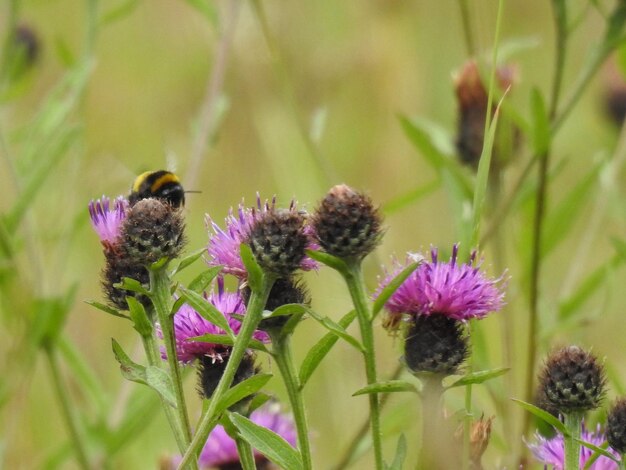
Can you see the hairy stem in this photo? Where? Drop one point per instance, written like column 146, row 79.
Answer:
column 281, row 350
column 356, row 286
column 572, row 447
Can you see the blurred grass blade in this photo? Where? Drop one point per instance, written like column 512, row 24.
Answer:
column 270, row 444
column 319, row 351
column 541, row 123
column 410, row 197
column 400, row 455
column 119, row 12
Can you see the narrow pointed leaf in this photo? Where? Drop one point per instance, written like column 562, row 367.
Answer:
column 400, row 456
column 390, row 288
column 387, row 387
column 479, row 377
column 597, row 450
column 541, row 122
column 139, row 317
column 106, row 309
column 319, row 351
column 228, row 341
column 329, row 260
column 132, row 285
column 203, row 280
column 255, row 273
column 242, row 390
column 206, row 310
column 337, row 329
column 270, row 444
column 543, row 415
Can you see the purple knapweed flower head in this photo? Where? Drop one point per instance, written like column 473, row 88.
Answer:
column 220, row 450
column 224, row 244
column 458, row 291
column 552, row 451
column 188, row 324
column 107, row 220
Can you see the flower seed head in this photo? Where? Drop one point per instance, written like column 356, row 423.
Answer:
column 278, row 241
column 152, row 230
column 347, row 224
column 572, row 380
column 119, row 265
column 436, row 344
column 616, row 426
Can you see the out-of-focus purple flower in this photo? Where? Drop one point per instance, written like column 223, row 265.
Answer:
column 552, row 451
column 220, row 450
column 458, row 291
column 188, row 324
column 107, row 220
column 223, row 247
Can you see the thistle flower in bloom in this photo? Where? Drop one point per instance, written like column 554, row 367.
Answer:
column 458, row 291
column 188, row 324
column 107, row 220
column 552, row 451
column 223, row 247
column 220, row 450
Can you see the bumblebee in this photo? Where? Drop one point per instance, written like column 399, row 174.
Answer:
column 161, row 184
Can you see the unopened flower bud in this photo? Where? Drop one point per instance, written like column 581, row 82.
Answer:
column 210, row 371
column 616, row 426
column 347, row 224
column 118, row 266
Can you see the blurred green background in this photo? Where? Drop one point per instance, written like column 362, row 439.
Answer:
column 317, row 106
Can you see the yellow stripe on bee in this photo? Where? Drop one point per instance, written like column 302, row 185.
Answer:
column 140, row 179
column 166, row 178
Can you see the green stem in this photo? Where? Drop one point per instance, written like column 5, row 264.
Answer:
column 356, row 286
column 434, row 437
column 281, row 350
column 66, row 409
column 622, row 461
column 249, row 325
column 572, row 448
column 162, row 299
column 246, row 456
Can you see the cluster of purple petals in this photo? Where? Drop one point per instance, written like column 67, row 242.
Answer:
column 552, row 451
column 224, row 244
column 189, row 324
column 107, row 220
column 458, row 291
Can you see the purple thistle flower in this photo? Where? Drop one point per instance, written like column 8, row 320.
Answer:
column 106, row 221
column 188, row 324
column 223, row 247
column 458, row 291
column 220, row 450
column 552, row 451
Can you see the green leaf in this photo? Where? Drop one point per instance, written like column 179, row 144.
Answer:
column 404, row 200
column 152, row 376
column 51, row 314
column 133, row 286
column 543, row 415
column 329, row 260
column 387, row 387
column 107, row 309
column 202, row 281
column 390, row 288
column 337, row 329
column 437, row 150
column 258, row 401
column 541, row 123
column 479, row 377
column 598, row 451
column 242, row 390
column 400, row 455
column 64, row 53
column 288, row 309
column 206, row 310
column 138, row 314
column 228, row 341
column 270, row 444
column 319, row 351
column 255, row 273
column 188, row 260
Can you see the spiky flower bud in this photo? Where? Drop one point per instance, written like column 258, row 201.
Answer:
column 210, row 371
column 278, row 241
column 152, row 230
column 118, row 266
column 572, row 380
column 435, row 343
column 616, row 426
column 347, row 224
